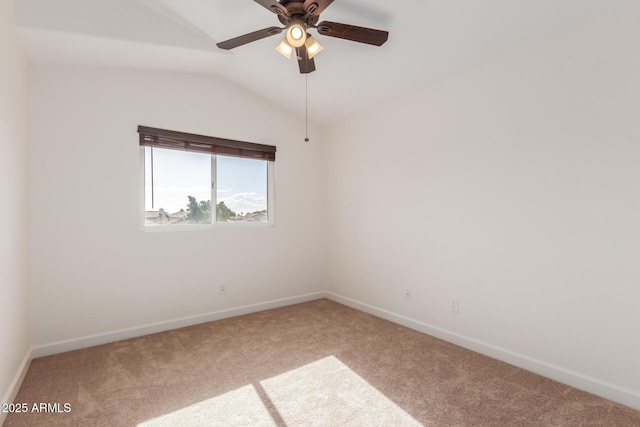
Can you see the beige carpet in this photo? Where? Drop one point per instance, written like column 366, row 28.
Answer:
column 313, row 364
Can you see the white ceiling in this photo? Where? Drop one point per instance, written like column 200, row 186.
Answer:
column 429, row 41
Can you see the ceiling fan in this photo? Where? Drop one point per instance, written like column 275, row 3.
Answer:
column 298, row 16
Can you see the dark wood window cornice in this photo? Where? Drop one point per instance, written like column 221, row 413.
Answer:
column 173, row 140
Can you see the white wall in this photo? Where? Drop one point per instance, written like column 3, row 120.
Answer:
column 93, row 270
column 515, row 188
column 14, row 188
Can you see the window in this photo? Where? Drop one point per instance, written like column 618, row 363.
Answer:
column 195, row 179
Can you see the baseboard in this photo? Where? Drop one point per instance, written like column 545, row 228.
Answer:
column 122, row 334
column 14, row 387
column 622, row 395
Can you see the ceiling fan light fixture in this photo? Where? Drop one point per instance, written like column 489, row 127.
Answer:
column 296, row 34
column 285, row 48
column 313, row 47
column 298, row 16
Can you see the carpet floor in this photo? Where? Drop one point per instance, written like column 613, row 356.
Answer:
column 313, row 364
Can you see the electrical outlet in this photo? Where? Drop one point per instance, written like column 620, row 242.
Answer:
column 453, row 305
column 223, row 290
column 407, row 294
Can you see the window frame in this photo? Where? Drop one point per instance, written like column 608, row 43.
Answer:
column 214, row 147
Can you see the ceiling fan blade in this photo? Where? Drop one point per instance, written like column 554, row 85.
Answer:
column 273, row 6
column 316, row 7
column 248, row 38
column 353, row 33
column 306, row 64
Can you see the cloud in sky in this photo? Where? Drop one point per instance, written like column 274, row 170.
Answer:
column 245, row 202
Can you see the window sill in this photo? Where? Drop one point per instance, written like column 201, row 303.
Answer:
column 205, row 227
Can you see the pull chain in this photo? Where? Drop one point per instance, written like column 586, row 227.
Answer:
column 306, row 107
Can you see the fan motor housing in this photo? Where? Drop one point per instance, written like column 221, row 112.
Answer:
column 296, row 10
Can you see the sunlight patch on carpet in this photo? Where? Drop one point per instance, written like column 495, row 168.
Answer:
column 240, row 407
column 327, row 392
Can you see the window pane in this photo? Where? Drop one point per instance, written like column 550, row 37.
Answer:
column 241, row 189
column 181, row 189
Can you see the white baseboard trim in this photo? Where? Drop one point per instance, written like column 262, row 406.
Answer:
column 14, row 387
column 622, row 395
column 137, row 331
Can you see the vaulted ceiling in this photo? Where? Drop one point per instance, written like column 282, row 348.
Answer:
column 429, row 41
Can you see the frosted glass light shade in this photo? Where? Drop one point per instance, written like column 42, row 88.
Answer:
column 313, row 47
column 296, row 34
column 285, row 48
